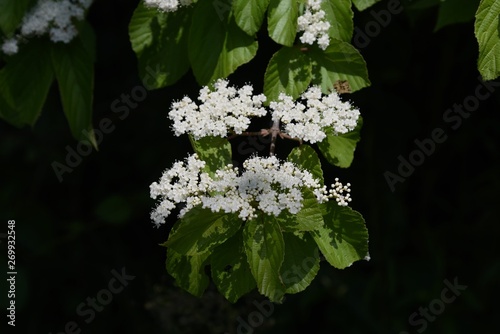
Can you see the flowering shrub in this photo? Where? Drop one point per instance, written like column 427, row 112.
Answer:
column 273, row 214
column 252, row 225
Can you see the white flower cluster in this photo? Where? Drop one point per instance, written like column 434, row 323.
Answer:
column 314, row 25
column 266, row 184
column 167, row 5
column 222, row 110
column 309, row 121
column 52, row 17
column 181, row 183
column 338, row 190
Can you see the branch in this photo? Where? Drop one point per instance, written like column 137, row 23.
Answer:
column 275, row 130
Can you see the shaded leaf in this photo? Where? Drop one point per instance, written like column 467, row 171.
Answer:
column 344, row 238
column 249, row 14
column 159, row 40
column 74, row 68
column 24, row 84
column 289, row 72
column 306, row 158
column 188, row 271
column 363, row 4
column 215, row 151
column 201, row 230
column 455, row 11
column 339, row 149
column 282, row 21
column 230, row 270
column 340, row 61
column 264, row 247
column 217, row 47
column 301, row 263
column 339, row 14
column 12, row 13
column 308, row 218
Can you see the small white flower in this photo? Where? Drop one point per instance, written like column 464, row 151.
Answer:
column 53, row 17
column 222, row 110
column 312, row 22
column 337, row 192
column 309, row 119
column 167, row 5
column 265, row 184
column 179, row 184
column 10, row 46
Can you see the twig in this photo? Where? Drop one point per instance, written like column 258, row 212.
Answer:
column 275, row 130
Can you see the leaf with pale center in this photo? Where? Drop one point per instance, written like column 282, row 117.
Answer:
column 215, row 151
column 201, row 230
column 249, row 14
column 265, row 250
column 282, row 18
column 188, row 271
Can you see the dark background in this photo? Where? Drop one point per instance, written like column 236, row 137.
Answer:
column 441, row 223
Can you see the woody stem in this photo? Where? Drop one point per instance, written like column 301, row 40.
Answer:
column 275, row 130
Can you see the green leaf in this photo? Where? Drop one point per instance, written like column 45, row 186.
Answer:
column 88, row 38
column 306, row 158
column 308, row 218
column 230, row 270
column 24, row 84
column 249, row 14
column 363, row 4
column 340, row 61
column 188, row 271
column 74, row 68
column 215, row 151
column 344, row 238
column 301, row 263
column 339, row 14
column 455, row 11
column 282, row 21
column 289, row 71
column 265, row 250
column 12, row 13
column 160, row 42
column 487, row 35
column 201, row 230
column 217, row 47
column 339, row 149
